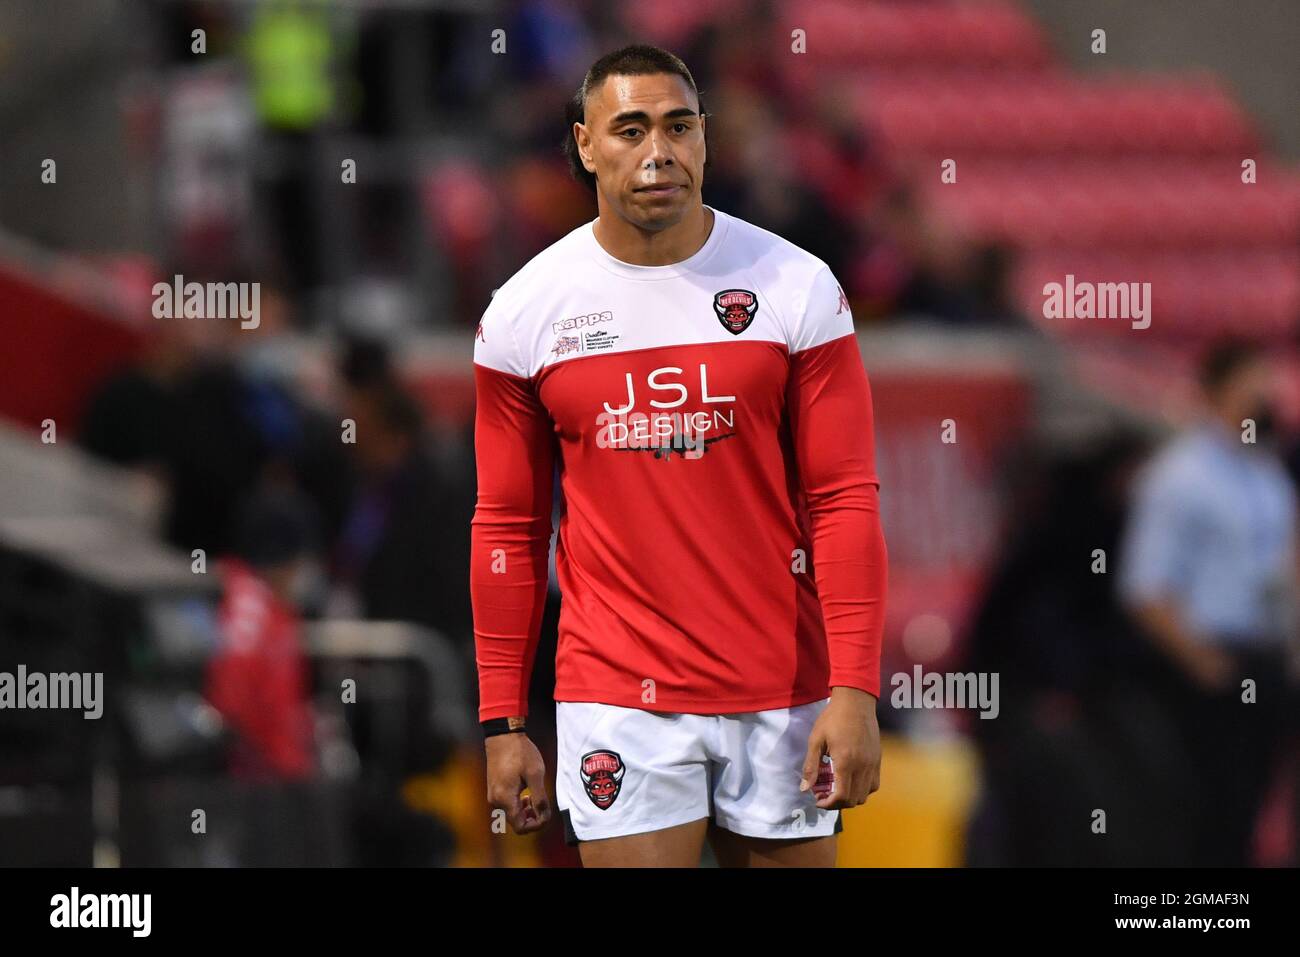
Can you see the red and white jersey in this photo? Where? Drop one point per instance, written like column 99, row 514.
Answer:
column 719, row 546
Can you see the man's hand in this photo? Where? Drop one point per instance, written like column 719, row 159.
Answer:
column 1210, row 668
column 848, row 732
column 514, row 765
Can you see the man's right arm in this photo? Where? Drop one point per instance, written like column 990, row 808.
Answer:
column 511, row 529
column 1162, row 624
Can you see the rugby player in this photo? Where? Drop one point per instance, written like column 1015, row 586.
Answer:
column 696, row 382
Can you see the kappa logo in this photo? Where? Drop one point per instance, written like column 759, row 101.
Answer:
column 735, row 309
column 579, row 322
column 844, row 302
column 602, row 777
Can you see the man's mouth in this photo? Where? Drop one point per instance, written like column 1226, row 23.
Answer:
column 663, row 189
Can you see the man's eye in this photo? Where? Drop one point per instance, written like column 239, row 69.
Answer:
column 683, row 126
column 633, row 131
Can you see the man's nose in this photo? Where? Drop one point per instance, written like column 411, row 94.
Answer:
column 660, row 152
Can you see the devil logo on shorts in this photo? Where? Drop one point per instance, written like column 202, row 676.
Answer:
column 735, row 309
column 602, row 776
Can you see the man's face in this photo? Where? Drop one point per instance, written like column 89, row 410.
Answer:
column 644, row 139
column 378, row 447
column 1248, row 391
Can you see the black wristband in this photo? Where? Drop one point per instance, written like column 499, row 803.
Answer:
column 494, row 726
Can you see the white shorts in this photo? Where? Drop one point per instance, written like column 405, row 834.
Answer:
column 626, row 771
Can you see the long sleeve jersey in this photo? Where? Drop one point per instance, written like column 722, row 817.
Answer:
column 710, row 421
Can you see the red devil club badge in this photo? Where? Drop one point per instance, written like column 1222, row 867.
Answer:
column 735, row 309
column 602, row 776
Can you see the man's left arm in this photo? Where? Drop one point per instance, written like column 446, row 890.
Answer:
column 829, row 404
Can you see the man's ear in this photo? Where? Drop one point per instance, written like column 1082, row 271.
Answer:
column 584, row 147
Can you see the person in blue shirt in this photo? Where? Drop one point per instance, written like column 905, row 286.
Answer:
column 1208, row 570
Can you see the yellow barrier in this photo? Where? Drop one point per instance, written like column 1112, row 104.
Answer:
column 918, row 817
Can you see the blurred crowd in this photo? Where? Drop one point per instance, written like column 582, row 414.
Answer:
column 458, row 177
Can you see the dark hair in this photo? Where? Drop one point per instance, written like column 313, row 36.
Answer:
column 397, row 409
column 1224, row 358
column 276, row 525
column 365, row 362
column 638, row 59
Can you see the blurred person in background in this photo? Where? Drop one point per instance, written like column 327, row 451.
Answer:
column 918, row 266
column 211, row 410
column 403, row 550
column 401, row 555
column 181, row 414
column 295, row 54
column 258, row 679
column 1077, row 727
column 125, row 421
column 1208, row 569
